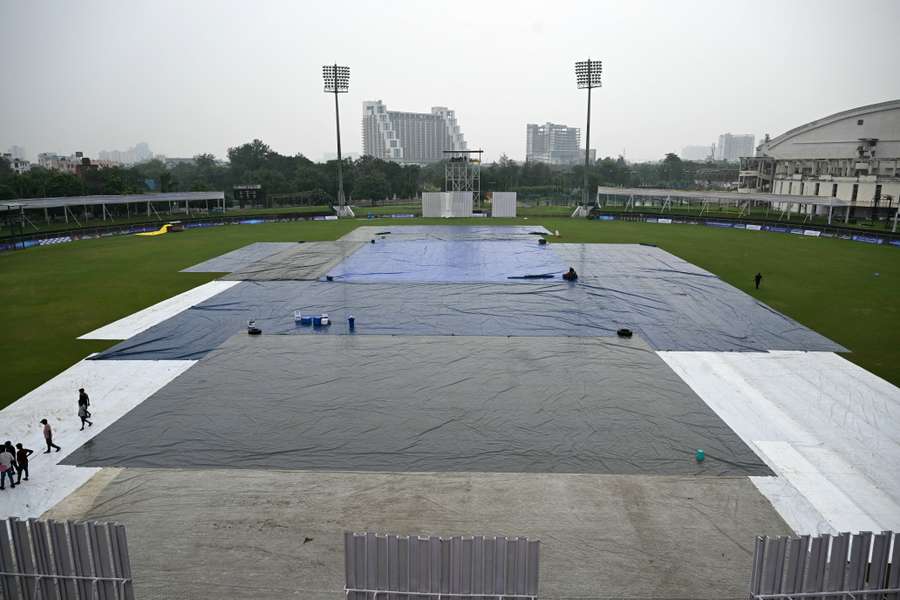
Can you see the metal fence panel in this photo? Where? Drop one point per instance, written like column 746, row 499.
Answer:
column 54, row 560
column 860, row 565
column 404, row 567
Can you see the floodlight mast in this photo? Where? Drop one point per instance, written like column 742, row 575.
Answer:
column 337, row 81
column 587, row 75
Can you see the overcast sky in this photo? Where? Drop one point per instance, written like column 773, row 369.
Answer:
column 191, row 76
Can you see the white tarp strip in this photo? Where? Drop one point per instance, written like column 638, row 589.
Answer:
column 144, row 319
column 114, row 386
column 828, row 428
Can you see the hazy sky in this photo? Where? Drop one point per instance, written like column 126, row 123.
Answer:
column 190, row 76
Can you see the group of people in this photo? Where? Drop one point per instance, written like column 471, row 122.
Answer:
column 14, row 459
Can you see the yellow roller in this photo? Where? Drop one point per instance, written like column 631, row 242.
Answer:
column 176, row 226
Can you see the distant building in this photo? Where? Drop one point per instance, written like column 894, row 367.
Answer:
column 74, row 163
column 553, row 144
column 139, row 153
column 698, row 152
column 732, row 147
column 57, row 162
column 173, row 161
column 407, row 137
column 853, row 155
column 17, row 152
column 18, row 165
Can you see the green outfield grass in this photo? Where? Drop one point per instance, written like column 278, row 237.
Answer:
column 53, row 294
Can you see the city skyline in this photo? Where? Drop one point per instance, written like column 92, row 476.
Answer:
column 177, row 85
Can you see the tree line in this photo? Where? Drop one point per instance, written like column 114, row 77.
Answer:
column 298, row 179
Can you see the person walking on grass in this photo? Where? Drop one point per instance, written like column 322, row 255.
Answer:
column 7, row 466
column 757, row 278
column 48, row 437
column 22, row 455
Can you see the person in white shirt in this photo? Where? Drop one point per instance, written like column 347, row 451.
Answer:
column 7, row 467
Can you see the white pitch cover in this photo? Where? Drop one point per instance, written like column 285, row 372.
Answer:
column 135, row 323
column 503, row 204
column 829, row 429
column 114, row 386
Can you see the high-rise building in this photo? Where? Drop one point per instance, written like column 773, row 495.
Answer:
column 732, row 147
column 698, row 152
column 552, row 144
column 134, row 155
column 407, row 137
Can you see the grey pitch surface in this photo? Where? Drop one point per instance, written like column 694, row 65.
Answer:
column 211, row 534
column 237, row 259
column 413, row 404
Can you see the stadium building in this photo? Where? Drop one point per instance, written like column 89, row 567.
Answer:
column 853, row 155
column 407, row 137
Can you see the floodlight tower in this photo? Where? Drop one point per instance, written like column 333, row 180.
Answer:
column 587, row 74
column 337, row 81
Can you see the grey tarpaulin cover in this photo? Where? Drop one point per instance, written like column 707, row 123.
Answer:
column 419, row 403
column 671, row 311
column 299, row 262
column 446, row 232
column 237, row 259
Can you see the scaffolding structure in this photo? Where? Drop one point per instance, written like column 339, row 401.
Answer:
column 462, row 172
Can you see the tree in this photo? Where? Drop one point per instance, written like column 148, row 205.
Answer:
column 672, row 170
column 249, row 157
column 373, row 186
column 6, row 171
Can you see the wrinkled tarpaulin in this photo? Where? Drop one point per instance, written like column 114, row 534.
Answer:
column 418, row 403
column 446, row 232
column 300, row 262
column 453, row 261
column 702, row 313
column 237, row 259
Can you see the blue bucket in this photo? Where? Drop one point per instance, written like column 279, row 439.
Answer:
column 306, row 320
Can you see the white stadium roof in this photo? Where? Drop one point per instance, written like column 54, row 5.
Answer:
column 736, row 197
column 30, row 203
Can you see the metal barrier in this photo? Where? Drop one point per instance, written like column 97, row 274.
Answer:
column 64, row 560
column 827, row 567
column 393, row 567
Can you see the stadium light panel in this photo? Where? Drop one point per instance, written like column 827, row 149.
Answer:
column 588, row 73
column 337, row 78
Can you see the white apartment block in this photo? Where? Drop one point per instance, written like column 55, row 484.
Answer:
column 552, row 144
column 732, row 147
column 17, row 164
column 407, row 137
